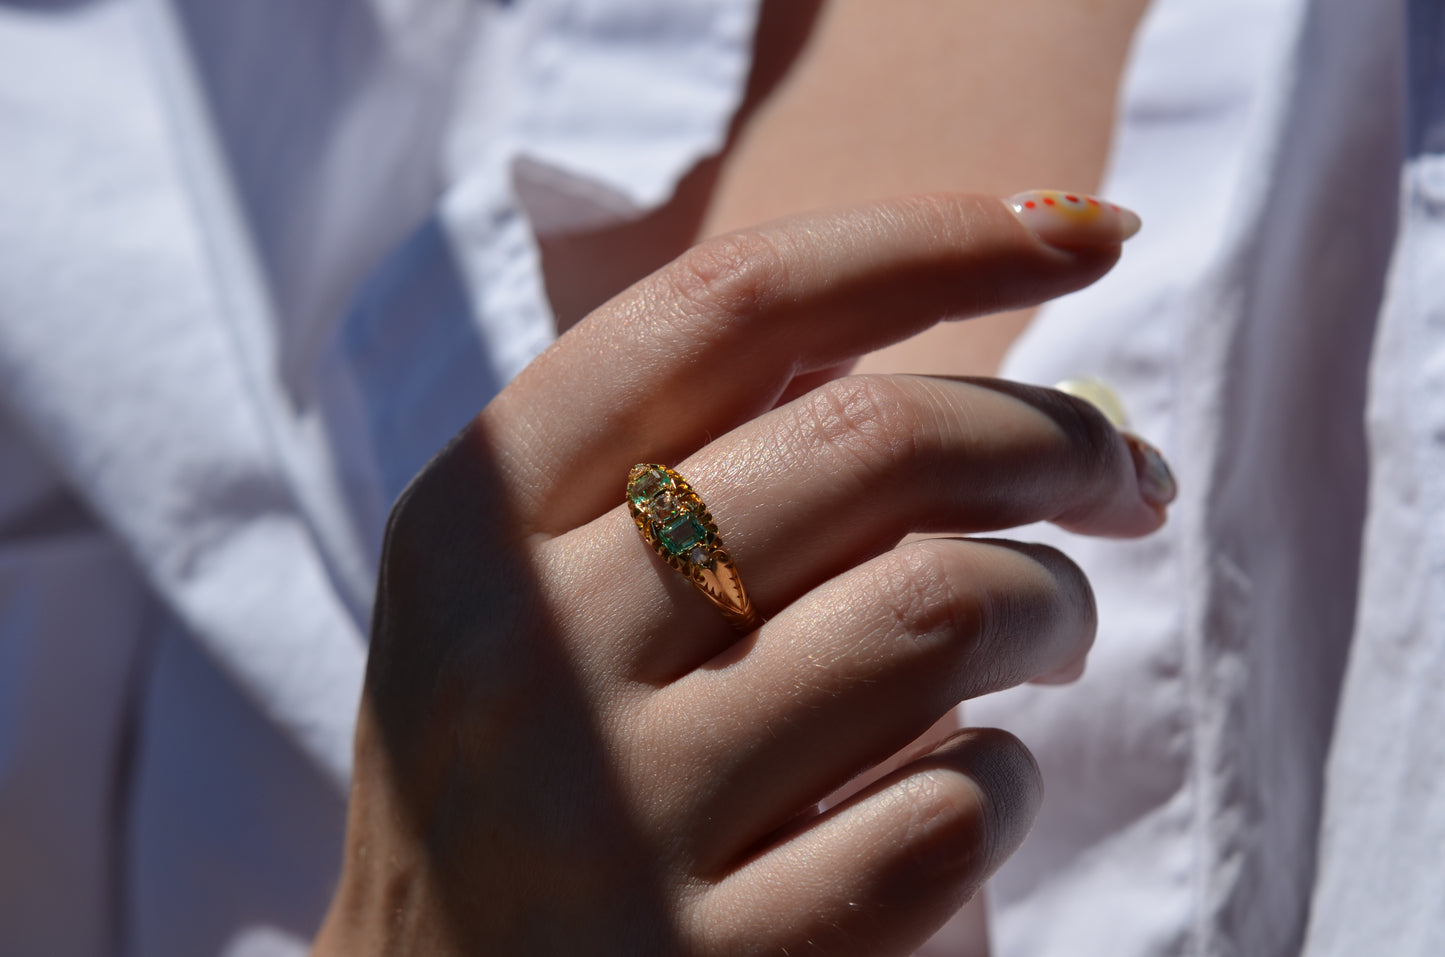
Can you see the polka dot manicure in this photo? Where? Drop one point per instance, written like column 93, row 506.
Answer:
column 1073, row 219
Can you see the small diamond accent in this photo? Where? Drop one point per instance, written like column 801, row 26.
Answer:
column 666, row 507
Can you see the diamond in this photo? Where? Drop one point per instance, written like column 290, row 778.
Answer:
column 682, row 535
column 666, row 507
column 700, row 555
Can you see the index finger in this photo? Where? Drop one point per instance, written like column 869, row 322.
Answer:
column 712, row 340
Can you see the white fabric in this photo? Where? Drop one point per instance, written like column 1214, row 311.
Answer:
column 261, row 259
column 1252, row 764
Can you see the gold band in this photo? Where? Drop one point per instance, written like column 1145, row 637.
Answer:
column 678, row 526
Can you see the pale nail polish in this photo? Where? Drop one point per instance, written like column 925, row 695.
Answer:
column 1100, row 395
column 1156, row 479
column 1073, row 219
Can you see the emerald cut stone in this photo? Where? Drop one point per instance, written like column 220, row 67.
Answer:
column 647, row 484
column 681, row 535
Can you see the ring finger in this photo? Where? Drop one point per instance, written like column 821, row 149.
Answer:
column 818, row 486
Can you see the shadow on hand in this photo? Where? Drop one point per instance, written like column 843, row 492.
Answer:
column 487, row 803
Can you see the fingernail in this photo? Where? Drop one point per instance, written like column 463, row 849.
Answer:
column 1073, row 219
column 1156, row 479
column 1100, row 395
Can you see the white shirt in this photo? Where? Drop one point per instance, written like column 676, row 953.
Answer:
column 260, row 261
column 1254, row 762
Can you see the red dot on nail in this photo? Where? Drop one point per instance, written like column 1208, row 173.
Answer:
column 1048, row 202
column 1113, row 207
column 1030, row 204
column 1072, row 199
column 1093, row 201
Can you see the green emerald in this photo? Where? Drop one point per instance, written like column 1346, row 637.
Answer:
column 647, row 484
column 682, row 535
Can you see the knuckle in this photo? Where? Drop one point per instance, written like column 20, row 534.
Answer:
column 984, row 801
column 942, row 804
column 921, row 597
column 1004, row 613
column 738, row 273
column 867, row 422
column 1048, row 601
column 1066, row 578
column 951, row 824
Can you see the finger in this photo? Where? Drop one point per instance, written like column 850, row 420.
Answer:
column 801, row 385
column 714, row 338
column 856, row 671
column 1069, row 673
column 808, row 491
column 879, row 874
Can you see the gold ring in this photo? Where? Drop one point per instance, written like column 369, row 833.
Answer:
column 678, row 526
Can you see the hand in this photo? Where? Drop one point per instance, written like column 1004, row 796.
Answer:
column 563, row 748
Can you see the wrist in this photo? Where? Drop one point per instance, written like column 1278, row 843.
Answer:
column 384, row 901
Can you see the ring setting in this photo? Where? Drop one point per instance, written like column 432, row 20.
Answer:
column 673, row 520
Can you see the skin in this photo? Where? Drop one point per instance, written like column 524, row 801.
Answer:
column 562, row 748
column 853, row 100
column 643, row 846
